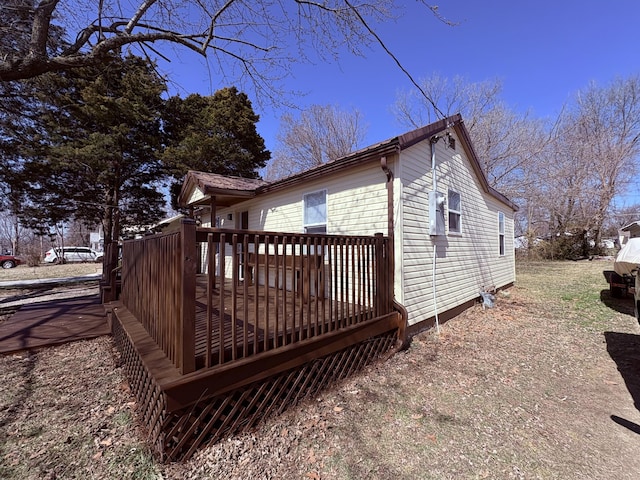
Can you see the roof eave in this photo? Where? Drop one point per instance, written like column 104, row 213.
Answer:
column 370, row 154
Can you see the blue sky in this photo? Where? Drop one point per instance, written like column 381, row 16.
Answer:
column 543, row 51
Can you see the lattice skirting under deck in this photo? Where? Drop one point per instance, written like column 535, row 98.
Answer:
column 177, row 435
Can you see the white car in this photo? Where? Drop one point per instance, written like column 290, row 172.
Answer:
column 72, row 254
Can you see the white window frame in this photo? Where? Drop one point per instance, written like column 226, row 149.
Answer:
column 453, row 211
column 501, row 237
column 314, row 226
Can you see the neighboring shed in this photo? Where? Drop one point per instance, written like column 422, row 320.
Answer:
column 452, row 233
column 631, row 230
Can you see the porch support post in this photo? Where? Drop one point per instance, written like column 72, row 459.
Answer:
column 212, row 204
column 187, row 329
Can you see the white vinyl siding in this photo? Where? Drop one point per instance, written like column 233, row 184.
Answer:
column 356, row 204
column 466, row 262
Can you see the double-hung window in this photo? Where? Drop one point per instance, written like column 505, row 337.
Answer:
column 501, row 232
column 455, row 212
column 315, row 212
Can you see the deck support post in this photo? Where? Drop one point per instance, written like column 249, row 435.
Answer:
column 109, row 277
column 187, row 329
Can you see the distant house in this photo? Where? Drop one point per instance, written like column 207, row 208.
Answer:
column 452, row 233
column 631, row 230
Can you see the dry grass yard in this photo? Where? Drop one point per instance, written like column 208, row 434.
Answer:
column 544, row 386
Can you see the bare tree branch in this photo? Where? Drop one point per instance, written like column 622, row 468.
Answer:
column 268, row 34
column 321, row 134
column 395, row 59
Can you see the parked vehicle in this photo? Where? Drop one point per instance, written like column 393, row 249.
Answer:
column 72, row 254
column 625, row 279
column 9, row 261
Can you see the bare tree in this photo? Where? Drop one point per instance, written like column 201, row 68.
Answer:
column 247, row 39
column 507, row 143
column 11, row 233
column 592, row 159
column 450, row 96
column 321, row 134
column 604, row 129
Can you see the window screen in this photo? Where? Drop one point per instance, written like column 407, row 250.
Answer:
column 454, row 212
column 315, row 212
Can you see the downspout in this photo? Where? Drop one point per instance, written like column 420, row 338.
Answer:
column 433, row 142
column 389, row 174
column 390, row 221
column 392, row 266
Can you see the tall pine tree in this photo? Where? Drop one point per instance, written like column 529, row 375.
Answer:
column 214, row 134
column 99, row 158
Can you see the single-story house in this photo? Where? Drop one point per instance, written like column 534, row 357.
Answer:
column 452, row 233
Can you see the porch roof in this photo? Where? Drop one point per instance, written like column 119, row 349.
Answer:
column 199, row 187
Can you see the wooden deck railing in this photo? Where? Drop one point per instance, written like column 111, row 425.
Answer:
column 158, row 288
column 210, row 296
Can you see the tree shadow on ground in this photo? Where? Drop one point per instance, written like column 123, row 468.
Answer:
column 624, row 349
column 634, row 427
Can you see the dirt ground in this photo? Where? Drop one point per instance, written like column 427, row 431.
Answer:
column 546, row 385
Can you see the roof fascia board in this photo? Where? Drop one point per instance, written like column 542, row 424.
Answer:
column 415, row 136
column 190, row 183
column 359, row 158
column 228, row 191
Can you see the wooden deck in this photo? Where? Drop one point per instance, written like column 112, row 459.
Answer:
column 284, row 316
column 184, row 412
column 52, row 323
column 251, row 335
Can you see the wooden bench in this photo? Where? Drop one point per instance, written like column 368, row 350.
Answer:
column 298, row 265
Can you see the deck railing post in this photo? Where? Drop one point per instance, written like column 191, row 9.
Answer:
column 109, row 276
column 187, row 328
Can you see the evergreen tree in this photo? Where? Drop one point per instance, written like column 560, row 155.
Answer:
column 212, row 134
column 97, row 160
